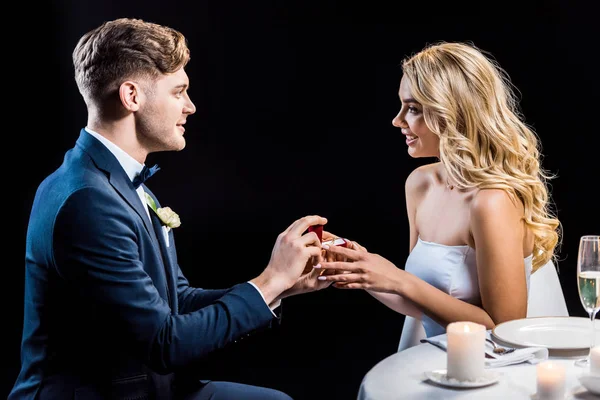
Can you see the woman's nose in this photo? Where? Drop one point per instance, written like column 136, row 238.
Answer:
column 397, row 121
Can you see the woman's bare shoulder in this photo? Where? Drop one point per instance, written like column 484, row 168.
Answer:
column 421, row 178
column 495, row 202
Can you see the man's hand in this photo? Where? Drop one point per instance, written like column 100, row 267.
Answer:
column 307, row 283
column 362, row 270
column 292, row 252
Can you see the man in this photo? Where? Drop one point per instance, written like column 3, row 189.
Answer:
column 108, row 312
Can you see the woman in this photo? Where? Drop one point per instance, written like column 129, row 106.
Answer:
column 479, row 217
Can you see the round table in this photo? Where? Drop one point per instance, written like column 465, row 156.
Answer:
column 402, row 376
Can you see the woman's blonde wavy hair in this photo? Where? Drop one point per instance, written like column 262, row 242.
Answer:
column 469, row 102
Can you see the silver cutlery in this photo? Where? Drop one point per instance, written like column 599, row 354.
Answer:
column 499, row 349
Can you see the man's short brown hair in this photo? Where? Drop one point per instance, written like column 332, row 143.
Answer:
column 124, row 49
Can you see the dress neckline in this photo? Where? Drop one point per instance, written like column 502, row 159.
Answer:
column 443, row 245
column 458, row 246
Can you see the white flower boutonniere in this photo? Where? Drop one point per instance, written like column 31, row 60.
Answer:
column 168, row 217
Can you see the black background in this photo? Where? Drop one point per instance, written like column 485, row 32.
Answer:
column 295, row 102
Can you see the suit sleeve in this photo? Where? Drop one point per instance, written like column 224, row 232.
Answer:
column 192, row 299
column 96, row 249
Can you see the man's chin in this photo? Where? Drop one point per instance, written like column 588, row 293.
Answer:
column 179, row 144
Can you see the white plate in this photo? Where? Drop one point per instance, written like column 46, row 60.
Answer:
column 439, row 376
column 556, row 333
column 590, row 382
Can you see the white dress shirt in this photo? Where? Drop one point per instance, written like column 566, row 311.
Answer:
column 132, row 169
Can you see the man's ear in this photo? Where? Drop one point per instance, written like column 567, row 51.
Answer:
column 130, row 95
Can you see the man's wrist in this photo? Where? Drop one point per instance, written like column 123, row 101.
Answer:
column 288, row 293
column 271, row 288
column 273, row 305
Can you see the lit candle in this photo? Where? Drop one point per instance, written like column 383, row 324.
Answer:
column 595, row 360
column 466, row 350
column 550, row 380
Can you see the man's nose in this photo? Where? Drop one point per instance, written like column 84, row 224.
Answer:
column 190, row 108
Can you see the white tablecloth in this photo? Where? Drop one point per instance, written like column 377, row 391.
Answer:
column 401, row 376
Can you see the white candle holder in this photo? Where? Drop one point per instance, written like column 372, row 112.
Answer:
column 550, row 380
column 466, row 351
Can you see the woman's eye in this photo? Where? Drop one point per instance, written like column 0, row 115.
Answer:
column 412, row 109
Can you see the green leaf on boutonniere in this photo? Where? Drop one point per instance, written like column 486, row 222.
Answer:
column 150, row 201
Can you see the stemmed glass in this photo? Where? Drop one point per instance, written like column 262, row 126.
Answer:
column 588, row 283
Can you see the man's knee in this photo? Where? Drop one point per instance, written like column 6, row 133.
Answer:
column 262, row 393
column 281, row 396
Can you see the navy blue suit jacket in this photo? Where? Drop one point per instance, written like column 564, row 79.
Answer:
column 108, row 312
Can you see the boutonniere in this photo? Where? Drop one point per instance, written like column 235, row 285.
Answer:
column 168, row 217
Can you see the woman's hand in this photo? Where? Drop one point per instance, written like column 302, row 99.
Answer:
column 360, row 270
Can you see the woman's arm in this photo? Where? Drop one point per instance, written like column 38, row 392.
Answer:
column 398, row 304
column 498, row 230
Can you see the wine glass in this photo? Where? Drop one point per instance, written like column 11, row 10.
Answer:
column 588, row 283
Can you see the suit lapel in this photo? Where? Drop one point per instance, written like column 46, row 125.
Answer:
column 131, row 196
column 166, row 256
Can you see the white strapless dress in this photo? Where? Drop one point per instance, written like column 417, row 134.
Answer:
column 453, row 270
